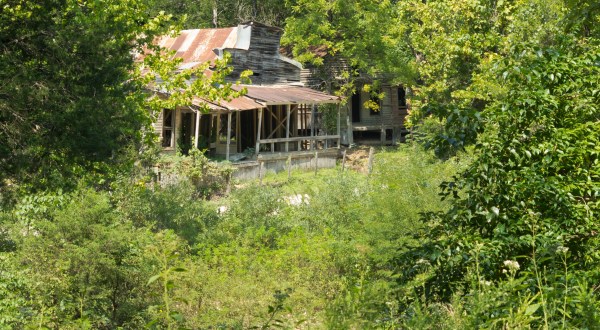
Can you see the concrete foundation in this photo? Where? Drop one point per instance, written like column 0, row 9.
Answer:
column 277, row 162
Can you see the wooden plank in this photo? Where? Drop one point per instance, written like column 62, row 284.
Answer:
column 228, row 136
column 197, row 130
column 316, row 161
column 254, row 124
column 370, row 162
column 175, row 129
column 260, row 120
column 312, row 125
column 301, row 138
column 339, row 126
column 287, row 127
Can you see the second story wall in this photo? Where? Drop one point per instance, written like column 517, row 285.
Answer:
column 262, row 56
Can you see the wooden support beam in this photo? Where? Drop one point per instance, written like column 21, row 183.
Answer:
column 197, row 130
column 238, row 132
column 349, row 130
column 313, row 111
column 287, row 127
column 260, row 120
column 175, row 129
column 339, row 126
column 316, row 161
column 254, row 123
column 228, row 135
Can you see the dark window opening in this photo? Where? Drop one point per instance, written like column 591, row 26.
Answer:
column 167, row 130
column 187, row 126
column 389, row 134
column 356, row 107
column 401, row 98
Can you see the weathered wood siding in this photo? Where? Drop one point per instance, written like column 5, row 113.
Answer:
column 158, row 124
column 264, row 59
column 389, row 114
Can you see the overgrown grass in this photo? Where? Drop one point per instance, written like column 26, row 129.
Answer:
column 321, row 261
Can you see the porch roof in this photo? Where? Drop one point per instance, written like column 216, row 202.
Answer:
column 237, row 104
column 278, row 95
column 262, row 96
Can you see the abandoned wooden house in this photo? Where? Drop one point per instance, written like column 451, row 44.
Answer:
column 278, row 115
column 360, row 123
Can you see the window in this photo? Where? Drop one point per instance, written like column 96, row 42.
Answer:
column 167, row 129
column 356, row 107
column 401, row 98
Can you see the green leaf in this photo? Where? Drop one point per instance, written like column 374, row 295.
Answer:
column 153, row 279
column 532, row 309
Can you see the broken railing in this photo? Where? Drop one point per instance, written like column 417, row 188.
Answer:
column 301, row 143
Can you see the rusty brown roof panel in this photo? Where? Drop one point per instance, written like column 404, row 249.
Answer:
column 238, row 104
column 273, row 95
column 196, row 46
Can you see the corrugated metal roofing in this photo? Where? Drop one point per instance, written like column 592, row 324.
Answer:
column 203, row 45
column 239, row 104
column 274, row 95
column 197, row 46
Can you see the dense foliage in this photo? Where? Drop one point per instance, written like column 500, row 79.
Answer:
column 100, row 260
column 499, row 231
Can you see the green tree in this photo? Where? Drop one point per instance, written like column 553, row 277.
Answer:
column 74, row 100
column 68, row 105
column 532, row 190
column 362, row 37
column 197, row 14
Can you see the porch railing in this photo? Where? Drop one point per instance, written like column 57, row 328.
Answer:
column 311, row 140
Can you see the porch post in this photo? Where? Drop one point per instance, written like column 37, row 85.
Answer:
column 287, row 127
column 175, row 128
column 313, row 111
column 196, row 133
column 339, row 126
column 349, row 128
column 228, row 135
column 260, row 119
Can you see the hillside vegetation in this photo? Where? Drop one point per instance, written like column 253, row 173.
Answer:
column 487, row 218
column 317, row 251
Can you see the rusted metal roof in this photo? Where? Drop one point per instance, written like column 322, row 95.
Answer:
column 275, row 95
column 237, row 104
column 198, row 46
column 262, row 96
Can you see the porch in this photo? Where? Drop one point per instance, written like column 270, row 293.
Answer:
column 268, row 120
